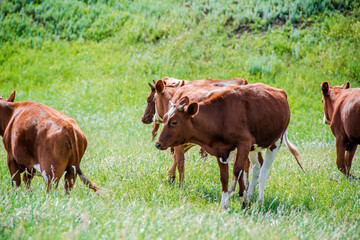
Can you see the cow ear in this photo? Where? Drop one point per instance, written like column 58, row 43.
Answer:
column 325, row 88
column 160, row 86
column 12, row 96
column 192, row 109
column 347, row 85
column 184, row 100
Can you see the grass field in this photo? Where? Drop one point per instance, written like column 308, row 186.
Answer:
column 98, row 75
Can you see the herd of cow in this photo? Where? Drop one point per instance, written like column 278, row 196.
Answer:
column 218, row 115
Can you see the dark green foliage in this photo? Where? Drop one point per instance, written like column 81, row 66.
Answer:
column 32, row 21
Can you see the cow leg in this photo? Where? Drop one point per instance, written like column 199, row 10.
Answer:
column 234, row 180
column 241, row 166
column 70, row 177
column 349, row 155
column 265, row 168
column 255, row 175
column 14, row 171
column 179, row 154
column 224, row 178
column 172, row 170
column 51, row 175
column 27, row 177
column 340, row 155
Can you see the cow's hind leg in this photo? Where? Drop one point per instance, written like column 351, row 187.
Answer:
column 265, row 168
column 349, row 155
column 340, row 156
column 14, row 171
column 255, row 175
column 27, row 177
column 51, row 175
column 70, row 177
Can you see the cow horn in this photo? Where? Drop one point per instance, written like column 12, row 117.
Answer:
column 152, row 86
column 154, row 81
column 181, row 108
column 177, row 84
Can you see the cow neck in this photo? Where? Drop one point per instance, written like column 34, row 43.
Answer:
column 6, row 112
column 206, row 129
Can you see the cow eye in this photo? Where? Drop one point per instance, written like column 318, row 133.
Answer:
column 174, row 123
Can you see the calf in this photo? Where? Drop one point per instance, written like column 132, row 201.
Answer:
column 342, row 112
column 250, row 118
column 41, row 140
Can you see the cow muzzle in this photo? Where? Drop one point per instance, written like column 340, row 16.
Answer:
column 158, row 146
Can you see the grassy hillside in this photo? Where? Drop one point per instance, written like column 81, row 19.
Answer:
column 92, row 60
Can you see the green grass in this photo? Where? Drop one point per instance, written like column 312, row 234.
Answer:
column 102, row 84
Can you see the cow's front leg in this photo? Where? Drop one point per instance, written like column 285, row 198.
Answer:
column 241, row 166
column 224, row 178
column 179, row 155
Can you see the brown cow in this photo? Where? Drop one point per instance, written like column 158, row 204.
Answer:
column 197, row 90
column 342, row 112
column 250, row 118
column 41, row 140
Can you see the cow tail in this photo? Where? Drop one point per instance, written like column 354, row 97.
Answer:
column 75, row 150
column 293, row 151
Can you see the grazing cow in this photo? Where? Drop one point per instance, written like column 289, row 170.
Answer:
column 342, row 112
column 41, row 140
column 197, row 90
column 250, row 118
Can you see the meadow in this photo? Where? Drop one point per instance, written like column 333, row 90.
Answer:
column 92, row 60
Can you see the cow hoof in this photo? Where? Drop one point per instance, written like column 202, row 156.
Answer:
column 171, row 179
column 245, row 206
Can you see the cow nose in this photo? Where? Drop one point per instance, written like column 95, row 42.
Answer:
column 158, row 146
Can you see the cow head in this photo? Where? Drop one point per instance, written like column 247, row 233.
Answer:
column 151, row 112
column 330, row 94
column 177, row 124
column 147, row 118
column 163, row 94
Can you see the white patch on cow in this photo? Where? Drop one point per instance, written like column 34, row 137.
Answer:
column 157, row 118
column 171, row 111
column 325, row 121
column 224, row 204
column 223, row 161
column 37, row 168
column 257, row 148
column 38, row 172
column 265, row 168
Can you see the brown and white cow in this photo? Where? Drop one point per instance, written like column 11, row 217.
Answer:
column 342, row 112
column 249, row 118
column 41, row 140
column 163, row 91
